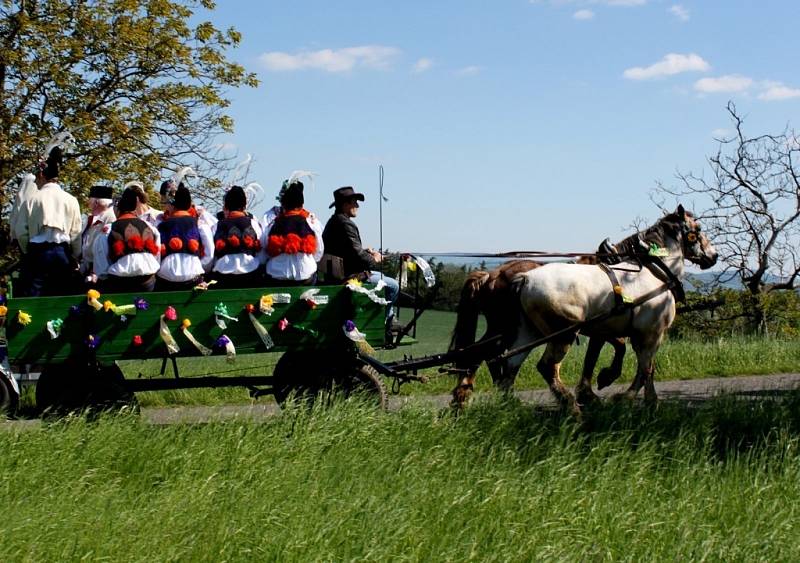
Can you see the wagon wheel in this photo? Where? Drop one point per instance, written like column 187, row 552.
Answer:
column 73, row 386
column 9, row 401
column 310, row 377
column 364, row 381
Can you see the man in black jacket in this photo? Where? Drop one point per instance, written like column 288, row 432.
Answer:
column 341, row 238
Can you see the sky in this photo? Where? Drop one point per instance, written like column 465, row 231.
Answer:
column 506, row 125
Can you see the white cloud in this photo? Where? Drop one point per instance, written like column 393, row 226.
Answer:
column 622, row 2
column 583, row 15
column 672, row 63
column 471, row 70
column 774, row 91
column 331, row 60
column 422, row 65
column 727, row 83
column 679, row 12
column 720, row 133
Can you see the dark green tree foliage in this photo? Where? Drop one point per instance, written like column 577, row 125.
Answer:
column 141, row 84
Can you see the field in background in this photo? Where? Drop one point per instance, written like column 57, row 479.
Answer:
column 501, row 482
column 678, row 359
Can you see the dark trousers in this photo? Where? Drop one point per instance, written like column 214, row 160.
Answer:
column 165, row 285
column 129, row 284
column 47, row 270
column 275, row 282
column 240, row 281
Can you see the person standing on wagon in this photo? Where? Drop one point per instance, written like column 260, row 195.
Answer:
column 293, row 241
column 237, row 244
column 50, row 233
column 342, row 239
column 100, row 214
column 187, row 248
column 126, row 254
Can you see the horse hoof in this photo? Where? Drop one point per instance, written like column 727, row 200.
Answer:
column 586, row 397
column 606, row 377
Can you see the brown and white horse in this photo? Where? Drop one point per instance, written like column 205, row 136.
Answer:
column 567, row 297
column 492, row 294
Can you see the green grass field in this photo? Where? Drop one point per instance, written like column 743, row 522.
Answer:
column 502, row 482
column 676, row 360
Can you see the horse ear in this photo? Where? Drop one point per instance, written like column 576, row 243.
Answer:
column 681, row 212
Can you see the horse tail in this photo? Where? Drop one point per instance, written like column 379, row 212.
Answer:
column 469, row 307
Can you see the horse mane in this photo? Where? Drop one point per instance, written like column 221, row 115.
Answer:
column 655, row 234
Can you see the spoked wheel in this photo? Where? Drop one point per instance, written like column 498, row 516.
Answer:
column 9, row 400
column 310, row 378
column 73, row 386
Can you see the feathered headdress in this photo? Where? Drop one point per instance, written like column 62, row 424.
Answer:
column 182, row 172
column 64, row 139
column 252, row 190
column 294, row 177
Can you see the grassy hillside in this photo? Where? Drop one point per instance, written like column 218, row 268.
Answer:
column 502, row 482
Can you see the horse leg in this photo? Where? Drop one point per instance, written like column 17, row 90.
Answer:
column 610, row 374
column 463, row 390
column 550, row 366
column 583, row 391
column 645, row 348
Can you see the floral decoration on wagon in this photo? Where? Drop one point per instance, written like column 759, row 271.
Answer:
column 204, row 350
column 360, row 339
column 226, row 344
column 261, row 331
column 221, row 314
column 54, row 328
column 170, row 314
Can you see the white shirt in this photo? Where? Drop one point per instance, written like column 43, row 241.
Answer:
column 136, row 264
column 181, row 267
column 241, row 263
column 51, row 234
column 298, row 266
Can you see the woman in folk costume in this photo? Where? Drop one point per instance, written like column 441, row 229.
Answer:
column 293, row 240
column 101, row 213
column 127, row 253
column 143, row 210
column 237, row 244
column 187, row 247
column 49, row 232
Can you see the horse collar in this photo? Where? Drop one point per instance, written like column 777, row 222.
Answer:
column 661, row 271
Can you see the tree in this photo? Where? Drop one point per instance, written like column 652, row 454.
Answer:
column 751, row 210
column 139, row 84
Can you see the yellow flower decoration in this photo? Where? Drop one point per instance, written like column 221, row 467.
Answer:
column 354, row 281
column 24, row 318
column 266, row 301
column 412, row 266
column 3, row 310
column 186, row 324
column 108, row 305
column 92, row 297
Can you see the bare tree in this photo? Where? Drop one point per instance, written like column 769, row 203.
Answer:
column 750, row 205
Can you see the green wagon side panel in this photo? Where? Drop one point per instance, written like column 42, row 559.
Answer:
column 309, row 328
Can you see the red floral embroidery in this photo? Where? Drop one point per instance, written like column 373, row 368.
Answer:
column 136, row 243
column 275, row 245
column 193, row 245
column 150, row 246
column 293, row 244
column 118, row 248
column 175, row 244
column 233, row 241
column 219, row 245
column 309, row 244
column 248, row 241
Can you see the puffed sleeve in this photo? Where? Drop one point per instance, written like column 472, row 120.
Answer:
column 316, row 226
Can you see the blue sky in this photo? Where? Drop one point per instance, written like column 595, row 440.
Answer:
column 508, row 125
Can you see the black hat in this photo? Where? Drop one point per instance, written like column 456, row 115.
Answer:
column 167, row 186
column 292, row 196
column 235, row 199
column 101, row 192
column 182, row 200
column 128, row 201
column 345, row 194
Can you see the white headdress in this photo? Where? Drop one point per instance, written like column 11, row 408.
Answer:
column 294, row 177
column 182, row 172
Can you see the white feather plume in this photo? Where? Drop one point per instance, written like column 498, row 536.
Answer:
column 64, row 139
column 183, row 172
column 133, row 183
column 255, row 195
column 297, row 174
column 239, row 174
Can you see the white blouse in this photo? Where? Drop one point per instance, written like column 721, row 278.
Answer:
column 241, row 263
column 130, row 265
column 298, row 266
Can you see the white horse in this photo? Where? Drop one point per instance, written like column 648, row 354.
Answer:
column 564, row 299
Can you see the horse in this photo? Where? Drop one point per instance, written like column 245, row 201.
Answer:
column 637, row 300
column 490, row 293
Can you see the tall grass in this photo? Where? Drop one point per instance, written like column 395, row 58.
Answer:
column 502, row 482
